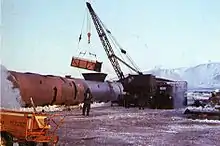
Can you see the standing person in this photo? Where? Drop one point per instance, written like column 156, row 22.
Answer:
column 87, row 102
column 141, row 101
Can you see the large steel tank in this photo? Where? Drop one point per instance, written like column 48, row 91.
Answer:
column 117, row 90
column 80, row 89
column 55, row 90
column 45, row 89
column 104, row 91
column 29, row 87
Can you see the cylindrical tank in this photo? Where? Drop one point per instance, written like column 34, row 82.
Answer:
column 117, row 90
column 45, row 89
column 55, row 90
column 80, row 88
column 104, row 91
column 99, row 90
column 29, row 86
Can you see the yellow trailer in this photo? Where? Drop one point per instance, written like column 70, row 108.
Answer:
column 27, row 128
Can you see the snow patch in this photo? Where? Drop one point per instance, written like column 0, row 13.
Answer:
column 50, row 108
column 10, row 97
column 178, row 128
column 205, row 109
column 207, row 121
column 56, row 108
column 102, row 104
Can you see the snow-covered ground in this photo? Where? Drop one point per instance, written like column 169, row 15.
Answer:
column 56, row 108
column 120, row 126
column 205, row 109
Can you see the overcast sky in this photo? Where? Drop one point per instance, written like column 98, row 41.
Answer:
column 42, row 35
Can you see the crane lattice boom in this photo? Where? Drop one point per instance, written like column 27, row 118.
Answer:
column 105, row 42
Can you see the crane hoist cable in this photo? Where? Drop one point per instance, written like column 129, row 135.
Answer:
column 88, row 27
column 89, row 30
column 88, row 21
column 80, row 36
column 119, row 49
column 83, row 53
column 125, row 52
column 132, row 62
column 117, row 45
column 79, row 40
column 113, row 58
column 113, row 40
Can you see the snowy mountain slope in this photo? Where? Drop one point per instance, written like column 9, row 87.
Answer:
column 200, row 76
column 173, row 74
column 217, row 78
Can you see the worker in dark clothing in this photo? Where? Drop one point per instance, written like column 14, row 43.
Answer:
column 126, row 100
column 87, row 102
column 141, row 101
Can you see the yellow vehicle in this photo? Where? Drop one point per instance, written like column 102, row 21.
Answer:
column 26, row 128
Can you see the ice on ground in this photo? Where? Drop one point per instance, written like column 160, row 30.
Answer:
column 207, row 109
column 102, row 104
column 207, row 121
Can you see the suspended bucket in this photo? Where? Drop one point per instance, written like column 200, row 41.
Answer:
column 86, row 64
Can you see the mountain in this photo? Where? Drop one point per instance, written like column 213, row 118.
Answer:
column 200, row 76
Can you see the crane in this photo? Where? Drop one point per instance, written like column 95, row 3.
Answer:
column 107, row 46
column 135, row 86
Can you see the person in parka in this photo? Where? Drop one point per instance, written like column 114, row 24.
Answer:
column 141, row 101
column 87, row 102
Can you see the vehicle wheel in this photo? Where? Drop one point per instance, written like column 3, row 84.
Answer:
column 6, row 139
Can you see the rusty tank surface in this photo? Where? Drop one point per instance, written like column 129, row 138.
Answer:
column 102, row 91
column 56, row 90
column 45, row 89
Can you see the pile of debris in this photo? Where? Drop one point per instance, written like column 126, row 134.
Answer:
column 208, row 110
